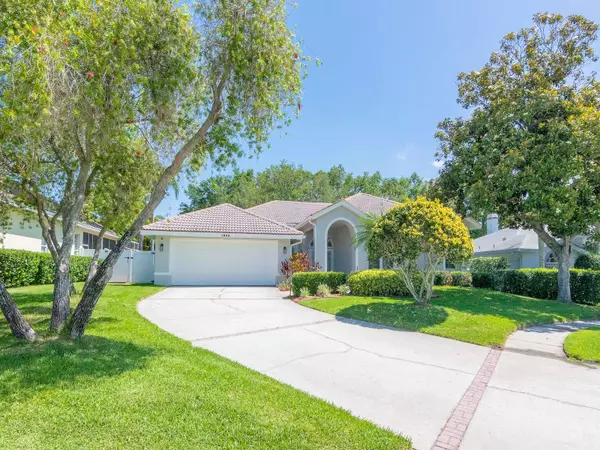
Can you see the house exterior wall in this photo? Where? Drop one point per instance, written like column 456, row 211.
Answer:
column 284, row 252
column 162, row 269
column 23, row 232
column 322, row 225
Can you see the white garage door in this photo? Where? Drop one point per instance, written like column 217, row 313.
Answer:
column 226, row 262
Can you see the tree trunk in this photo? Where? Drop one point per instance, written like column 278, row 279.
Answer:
column 95, row 257
column 98, row 282
column 18, row 325
column 564, row 276
column 61, row 306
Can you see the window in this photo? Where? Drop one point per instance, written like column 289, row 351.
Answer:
column 89, row 240
column 375, row 263
column 450, row 265
column 108, row 244
column 44, row 245
column 551, row 261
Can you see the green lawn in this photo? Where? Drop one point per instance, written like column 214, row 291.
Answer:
column 472, row 315
column 584, row 345
column 127, row 384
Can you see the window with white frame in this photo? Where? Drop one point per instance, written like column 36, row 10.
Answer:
column 108, row 244
column 551, row 261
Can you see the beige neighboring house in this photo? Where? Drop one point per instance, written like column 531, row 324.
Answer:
column 23, row 232
column 227, row 245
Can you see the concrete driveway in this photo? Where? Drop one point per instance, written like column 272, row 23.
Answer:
column 438, row 391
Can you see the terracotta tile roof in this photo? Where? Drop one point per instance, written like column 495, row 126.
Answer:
column 225, row 218
column 368, row 203
column 289, row 213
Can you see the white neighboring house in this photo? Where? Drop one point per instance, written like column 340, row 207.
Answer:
column 523, row 248
column 24, row 233
column 227, row 245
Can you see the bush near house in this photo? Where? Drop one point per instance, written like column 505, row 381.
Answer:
column 443, row 278
column 488, row 264
column 312, row 280
column 588, row 262
column 542, row 283
column 377, row 282
column 24, row 268
column 462, row 279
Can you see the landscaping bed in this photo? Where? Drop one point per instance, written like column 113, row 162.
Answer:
column 584, row 345
column 128, row 384
column 478, row 316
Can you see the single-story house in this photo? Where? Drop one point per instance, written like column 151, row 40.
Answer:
column 228, row 245
column 522, row 248
column 23, row 232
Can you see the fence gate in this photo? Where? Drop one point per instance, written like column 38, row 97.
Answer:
column 134, row 267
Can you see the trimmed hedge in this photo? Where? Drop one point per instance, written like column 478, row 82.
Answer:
column 24, row 268
column 452, row 278
column 542, row 283
column 377, row 282
column 588, row 262
column 312, row 280
column 488, row 264
column 443, row 278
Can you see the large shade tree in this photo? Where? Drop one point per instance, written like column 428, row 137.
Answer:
column 530, row 149
column 84, row 79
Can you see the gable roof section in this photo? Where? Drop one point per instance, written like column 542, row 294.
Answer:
column 507, row 239
column 224, row 219
column 368, row 203
column 287, row 212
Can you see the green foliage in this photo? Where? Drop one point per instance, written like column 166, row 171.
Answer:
column 304, row 292
column 377, row 282
column 542, row 283
column 453, row 278
column 343, row 289
column 418, row 229
column 24, row 268
column 488, row 264
column 323, row 290
column 312, row 280
column 287, row 181
column 529, row 149
column 443, row 278
column 588, row 261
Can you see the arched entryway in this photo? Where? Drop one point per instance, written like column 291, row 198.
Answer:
column 341, row 253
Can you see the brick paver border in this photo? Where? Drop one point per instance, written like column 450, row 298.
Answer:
column 454, row 431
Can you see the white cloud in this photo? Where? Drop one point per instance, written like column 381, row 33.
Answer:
column 402, row 156
column 438, row 164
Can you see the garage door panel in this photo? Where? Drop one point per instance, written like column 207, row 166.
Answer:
column 224, row 262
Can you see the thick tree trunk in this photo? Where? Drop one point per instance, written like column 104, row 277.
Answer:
column 98, row 282
column 61, row 307
column 564, row 276
column 18, row 325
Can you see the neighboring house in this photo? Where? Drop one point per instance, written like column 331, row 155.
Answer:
column 522, row 248
column 227, row 245
column 23, row 232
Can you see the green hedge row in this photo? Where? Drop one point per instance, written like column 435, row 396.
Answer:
column 453, row 278
column 23, row 268
column 488, row 264
column 542, row 283
column 312, row 280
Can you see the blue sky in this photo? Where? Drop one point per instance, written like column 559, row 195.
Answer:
column 388, row 77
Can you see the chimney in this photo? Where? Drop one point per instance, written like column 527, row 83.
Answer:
column 492, row 223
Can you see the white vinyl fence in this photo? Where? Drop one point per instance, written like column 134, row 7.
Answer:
column 132, row 267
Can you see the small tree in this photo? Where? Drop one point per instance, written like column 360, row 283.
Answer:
column 415, row 237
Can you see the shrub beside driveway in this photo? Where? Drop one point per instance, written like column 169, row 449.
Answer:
column 128, row 384
column 479, row 316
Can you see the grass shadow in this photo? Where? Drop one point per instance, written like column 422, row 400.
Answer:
column 51, row 364
column 402, row 314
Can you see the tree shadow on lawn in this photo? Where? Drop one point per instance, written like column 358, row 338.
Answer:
column 404, row 314
column 28, row 368
column 522, row 310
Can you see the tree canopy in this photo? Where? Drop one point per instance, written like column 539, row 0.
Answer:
column 288, row 181
column 530, row 149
